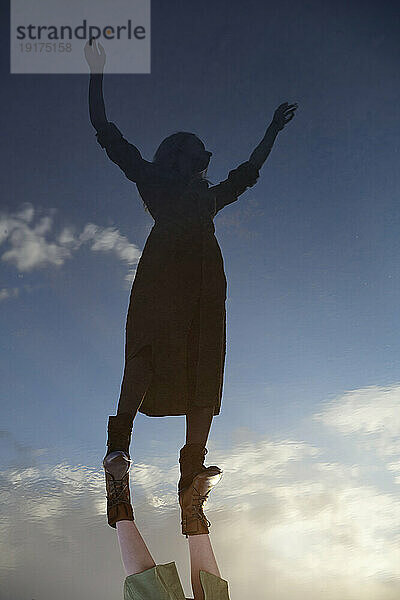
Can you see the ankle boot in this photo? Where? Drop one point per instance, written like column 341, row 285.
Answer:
column 119, row 508
column 195, row 484
column 191, row 462
column 192, row 499
column 119, row 432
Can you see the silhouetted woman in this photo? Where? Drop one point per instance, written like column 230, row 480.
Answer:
column 176, row 323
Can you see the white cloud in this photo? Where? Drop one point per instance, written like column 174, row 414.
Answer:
column 29, row 246
column 370, row 410
column 33, row 244
column 285, row 523
column 110, row 240
column 395, row 468
column 6, row 293
column 68, row 239
column 371, row 417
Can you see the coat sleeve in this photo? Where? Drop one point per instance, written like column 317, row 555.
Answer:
column 124, row 154
column 237, row 182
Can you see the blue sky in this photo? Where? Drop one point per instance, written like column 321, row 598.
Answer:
column 311, row 257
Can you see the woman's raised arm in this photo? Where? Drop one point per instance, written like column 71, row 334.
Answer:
column 96, row 59
column 246, row 174
column 283, row 114
column 118, row 149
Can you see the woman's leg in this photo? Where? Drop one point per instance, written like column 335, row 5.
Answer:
column 198, row 424
column 135, row 555
column 137, row 378
column 196, row 479
column 201, row 559
column 138, row 372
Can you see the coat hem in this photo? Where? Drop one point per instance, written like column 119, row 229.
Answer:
column 172, row 413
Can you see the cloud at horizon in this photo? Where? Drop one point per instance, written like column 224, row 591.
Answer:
column 307, row 522
column 371, row 417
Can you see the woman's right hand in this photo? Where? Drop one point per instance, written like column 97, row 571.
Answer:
column 95, row 56
column 283, row 114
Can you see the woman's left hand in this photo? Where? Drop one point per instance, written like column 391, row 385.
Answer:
column 283, row 114
column 95, row 55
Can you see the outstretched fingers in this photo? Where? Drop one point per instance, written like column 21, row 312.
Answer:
column 93, row 42
column 289, row 116
column 101, row 49
column 289, row 112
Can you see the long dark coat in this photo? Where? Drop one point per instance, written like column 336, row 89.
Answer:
column 177, row 302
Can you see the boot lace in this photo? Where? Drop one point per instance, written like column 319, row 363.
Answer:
column 118, row 491
column 198, row 502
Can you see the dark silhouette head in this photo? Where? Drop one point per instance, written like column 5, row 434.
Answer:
column 184, row 153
